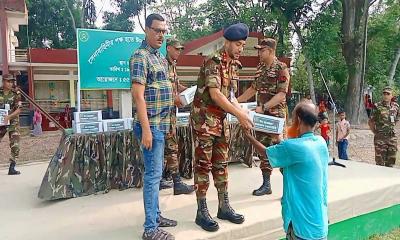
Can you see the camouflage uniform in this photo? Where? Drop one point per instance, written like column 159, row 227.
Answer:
column 171, row 143
column 385, row 117
column 13, row 99
column 209, row 123
column 270, row 82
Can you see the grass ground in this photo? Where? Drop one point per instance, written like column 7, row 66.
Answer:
column 394, row 235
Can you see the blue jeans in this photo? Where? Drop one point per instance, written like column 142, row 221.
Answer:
column 342, row 149
column 153, row 164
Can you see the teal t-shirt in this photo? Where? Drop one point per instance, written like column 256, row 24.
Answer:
column 305, row 172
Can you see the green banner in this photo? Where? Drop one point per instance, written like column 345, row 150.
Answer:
column 103, row 58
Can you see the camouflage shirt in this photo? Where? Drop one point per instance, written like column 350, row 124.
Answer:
column 216, row 72
column 13, row 99
column 385, row 117
column 271, row 81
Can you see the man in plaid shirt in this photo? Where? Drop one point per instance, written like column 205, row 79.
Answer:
column 152, row 93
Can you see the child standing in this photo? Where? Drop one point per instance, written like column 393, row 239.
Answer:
column 325, row 129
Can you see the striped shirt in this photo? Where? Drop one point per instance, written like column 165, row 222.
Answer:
column 149, row 68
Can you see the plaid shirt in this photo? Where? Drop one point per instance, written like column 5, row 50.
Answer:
column 150, row 69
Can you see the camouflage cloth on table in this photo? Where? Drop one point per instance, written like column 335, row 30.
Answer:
column 385, row 117
column 13, row 99
column 185, row 143
column 88, row 164
column 240, row 149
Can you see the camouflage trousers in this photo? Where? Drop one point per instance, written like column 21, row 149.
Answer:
column 385, row 150
column 211, row 154
column 171, row 161
column 267, row 140
column 14, row 135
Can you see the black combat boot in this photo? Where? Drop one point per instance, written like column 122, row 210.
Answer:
column 11, row 169
column 203, row 218
column 181, row 187
column 226, row 212
column 164, row 184
column 265, row 187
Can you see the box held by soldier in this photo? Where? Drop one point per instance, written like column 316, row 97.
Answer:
column 3, row 114
column 187, row 96
column 266, row 123
column 88, row 117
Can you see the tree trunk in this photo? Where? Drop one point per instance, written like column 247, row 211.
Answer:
column 72, row 16
column 83, row 12
column 353, row 33
column 393, row 67
column 308, row 63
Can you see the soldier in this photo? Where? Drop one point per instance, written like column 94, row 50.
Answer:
column 384, row 117
column 214, row 98
column 174, row 49
column 271, row 83
column 10, row 98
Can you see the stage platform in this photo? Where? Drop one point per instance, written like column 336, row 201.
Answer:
column 118, row 215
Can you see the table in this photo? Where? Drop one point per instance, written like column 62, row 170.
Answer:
column 87, row 164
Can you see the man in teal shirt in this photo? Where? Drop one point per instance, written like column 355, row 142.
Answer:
column 305, row 168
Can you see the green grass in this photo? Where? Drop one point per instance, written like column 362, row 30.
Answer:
column 394, row 235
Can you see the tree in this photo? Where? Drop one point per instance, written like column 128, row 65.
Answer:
column 51, row 20
column 353, row 29
column 184, row 17
column 383, row 44
column 126, row 10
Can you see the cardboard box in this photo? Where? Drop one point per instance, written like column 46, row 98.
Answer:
column 231, row 118
column 114, row 125
column 129, row 123
column 88, row 117
column 187, row 96
column 87, row 128
column 251, row 106
column 3, row 114
column 182, row 119
column 267, row 124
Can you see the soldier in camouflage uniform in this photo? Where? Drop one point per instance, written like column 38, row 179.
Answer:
column 174, row 49
column 214, row 98
column 10, row 98
column 384, row 117
column 271, row 83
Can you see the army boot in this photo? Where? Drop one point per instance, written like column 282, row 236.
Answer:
column 265, row 187
column 180, row 187
column 226, row 212
column 203, row 218
column 164, row 184
column 11, row 169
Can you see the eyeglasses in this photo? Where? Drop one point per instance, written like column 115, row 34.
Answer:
column 159, row 31
column 386, row 93
column 178, row 49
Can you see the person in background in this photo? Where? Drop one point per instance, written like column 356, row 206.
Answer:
column 304, row 160
column 10, row 99
column 37, row 123
column 325, row 129
column 342, row 136
column 382, row 123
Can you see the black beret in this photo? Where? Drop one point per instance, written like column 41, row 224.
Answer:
column 236, row 32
